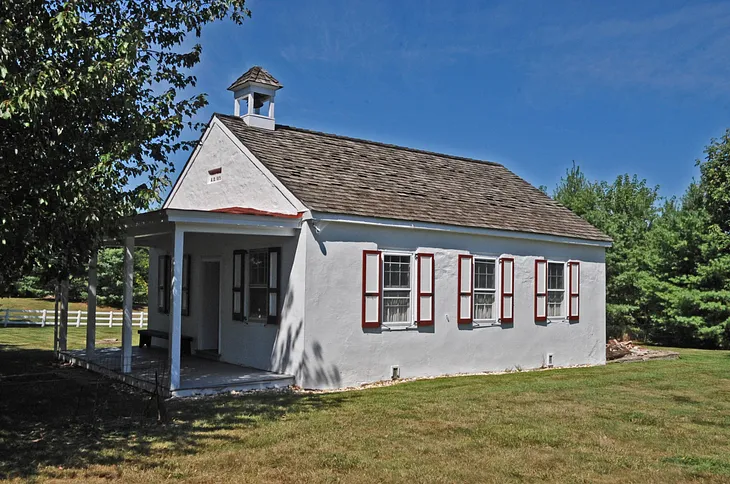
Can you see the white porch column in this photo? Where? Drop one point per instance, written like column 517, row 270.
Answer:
column 176, row 308
column 127, row 299
column 91, row 306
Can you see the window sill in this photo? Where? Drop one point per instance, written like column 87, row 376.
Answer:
column 398, row 326
column 261, row 322
column 558, row 320
column 486, row 323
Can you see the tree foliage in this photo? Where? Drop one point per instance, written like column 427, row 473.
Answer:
column 668, row 272
column 93, row 102
column 110, row 283
column 715, row 180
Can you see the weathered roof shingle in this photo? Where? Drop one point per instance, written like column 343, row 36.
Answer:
column 337, row 174
column 255, row 74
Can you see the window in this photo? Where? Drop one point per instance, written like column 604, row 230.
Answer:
column 396, row 288
column 556, row 289
column 485, row 290
column 258, row 288
column 163, row 284
column 238, row 261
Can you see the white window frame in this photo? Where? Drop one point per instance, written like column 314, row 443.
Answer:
column 563, row 307
column 496, row 292
column 265, row 285
column 412, row 284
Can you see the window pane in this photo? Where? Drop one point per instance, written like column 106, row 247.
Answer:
column 237, row 302
column 484, row 305
column 237, row 270
column 556, row 278
column 396, row 306
column 397, row 271
column 484, row 274
column 257, row 302
column 257, row 267
column 555, row 303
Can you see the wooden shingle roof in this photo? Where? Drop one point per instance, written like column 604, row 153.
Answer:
column 337, row 174
column 255, row 74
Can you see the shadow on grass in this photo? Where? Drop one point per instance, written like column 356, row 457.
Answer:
column 64, row 417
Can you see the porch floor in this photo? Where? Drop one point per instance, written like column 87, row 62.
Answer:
column 198, row 376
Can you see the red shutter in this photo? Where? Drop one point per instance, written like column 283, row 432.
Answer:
column 573, row 290
column 465, row 300
column 372, row 283
column 507, row 288
column 425, row 290
column 540, row 290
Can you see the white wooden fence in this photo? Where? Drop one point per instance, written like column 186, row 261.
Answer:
column 44, row 317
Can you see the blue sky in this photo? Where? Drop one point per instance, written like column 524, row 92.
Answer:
column 619, row 87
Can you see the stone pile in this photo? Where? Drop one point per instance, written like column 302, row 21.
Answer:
column 616, row 349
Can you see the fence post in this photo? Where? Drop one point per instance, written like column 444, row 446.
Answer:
column 7, row 316
column 43, row 318
column 141, row 318
column 111, row 318
column 78, row 319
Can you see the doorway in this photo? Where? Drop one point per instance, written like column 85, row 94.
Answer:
column 210, row 323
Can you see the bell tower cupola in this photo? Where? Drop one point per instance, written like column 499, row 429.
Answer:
column 253, row 95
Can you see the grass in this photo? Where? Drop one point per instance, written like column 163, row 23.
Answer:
column 657, row 421
column 37, row 338
column 37, row 303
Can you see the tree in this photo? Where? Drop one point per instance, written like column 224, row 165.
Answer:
column 715, row 180
column 110, row 284
column 625, row 210
column 668, row 271
column 92, row 104
column 688, row 299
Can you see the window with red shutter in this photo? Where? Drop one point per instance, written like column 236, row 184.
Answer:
column 507, row 304
column 574, row 290
column 371, row 288
column 466, row 290
column 541, row 290
column 425, row 290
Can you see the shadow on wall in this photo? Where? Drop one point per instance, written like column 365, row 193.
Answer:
column 64, row 422
column 293, row 354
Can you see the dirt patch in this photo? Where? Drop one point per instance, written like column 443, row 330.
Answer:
column 626, row 351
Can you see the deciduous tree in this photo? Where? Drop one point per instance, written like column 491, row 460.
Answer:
column 94, row 98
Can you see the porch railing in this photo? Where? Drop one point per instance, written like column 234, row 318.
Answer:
column 78, row 318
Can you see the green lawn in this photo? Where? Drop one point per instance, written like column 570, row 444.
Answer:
column 34, row 303
column 34, row 337
column 658, row 421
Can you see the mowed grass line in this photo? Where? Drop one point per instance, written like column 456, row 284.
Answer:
column 658, row 421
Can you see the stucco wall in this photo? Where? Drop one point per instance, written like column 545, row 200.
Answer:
column 259, row 345
column 243, row 184
column 349, row 355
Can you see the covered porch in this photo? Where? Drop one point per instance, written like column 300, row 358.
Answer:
column 165, row 367
column 149, row 369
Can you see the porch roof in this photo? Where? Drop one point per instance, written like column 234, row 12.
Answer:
column 230, row 220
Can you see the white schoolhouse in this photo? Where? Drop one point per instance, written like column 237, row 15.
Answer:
column 327, row 261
